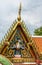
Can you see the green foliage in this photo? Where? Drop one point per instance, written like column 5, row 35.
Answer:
column 38, row 31
column 4, row 60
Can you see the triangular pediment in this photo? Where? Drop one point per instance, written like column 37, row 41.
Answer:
column 19, row 32
column 18, row 42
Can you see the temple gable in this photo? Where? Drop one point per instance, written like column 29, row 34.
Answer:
column 18, row 45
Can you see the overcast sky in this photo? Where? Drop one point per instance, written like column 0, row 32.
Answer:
column 31, row 14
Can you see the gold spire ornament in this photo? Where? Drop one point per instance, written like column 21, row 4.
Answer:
column 19, row 13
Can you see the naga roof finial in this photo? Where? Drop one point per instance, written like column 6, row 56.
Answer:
column 19, row 13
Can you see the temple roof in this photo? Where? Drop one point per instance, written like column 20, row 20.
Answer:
column 38, row 42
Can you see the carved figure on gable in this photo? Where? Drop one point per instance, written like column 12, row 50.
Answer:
column 17, row 47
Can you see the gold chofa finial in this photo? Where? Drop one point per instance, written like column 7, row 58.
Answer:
column 19, row 13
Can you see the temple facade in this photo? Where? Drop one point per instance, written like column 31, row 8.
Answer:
column 18, row 47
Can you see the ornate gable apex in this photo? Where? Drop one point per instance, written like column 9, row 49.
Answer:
column 13, row 27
